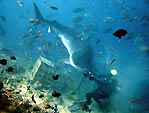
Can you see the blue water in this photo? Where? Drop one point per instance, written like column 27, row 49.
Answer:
column 132, row 62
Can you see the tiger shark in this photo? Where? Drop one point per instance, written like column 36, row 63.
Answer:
column 80, row 52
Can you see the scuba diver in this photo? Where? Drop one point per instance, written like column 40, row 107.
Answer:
column 106, row 87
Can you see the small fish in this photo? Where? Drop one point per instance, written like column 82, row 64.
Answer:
column 55, row 77
column 54, row 8
column 13, row 58
column 25, row 36
column 38, row 35
column 33, row 99
column 112, row 62
column 56, row 94
column 33, row 21
column 41, row 95
column 3, row 18
column 2, row 71
column 108, row 19
column 3, row 62
column 78, row 10
column 132, row 19
column 9, row 69
column 119, row 33
column 20, row 3
column 136, row 100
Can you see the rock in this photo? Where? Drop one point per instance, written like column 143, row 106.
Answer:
column 1, row 85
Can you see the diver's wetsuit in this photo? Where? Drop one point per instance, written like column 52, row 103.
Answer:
column 106, row 87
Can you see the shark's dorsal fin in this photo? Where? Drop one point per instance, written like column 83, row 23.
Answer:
column 37, row 13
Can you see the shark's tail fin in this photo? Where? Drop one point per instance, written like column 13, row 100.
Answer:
column 38, row 14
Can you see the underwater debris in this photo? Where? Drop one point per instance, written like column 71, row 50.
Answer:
column 46, row 61
column 13, row 58
column 53, row 7
column 35, row 69
column 9, row 69
column 119, row 33
column 56, row 94
column 3, row 62
column 55, row 77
